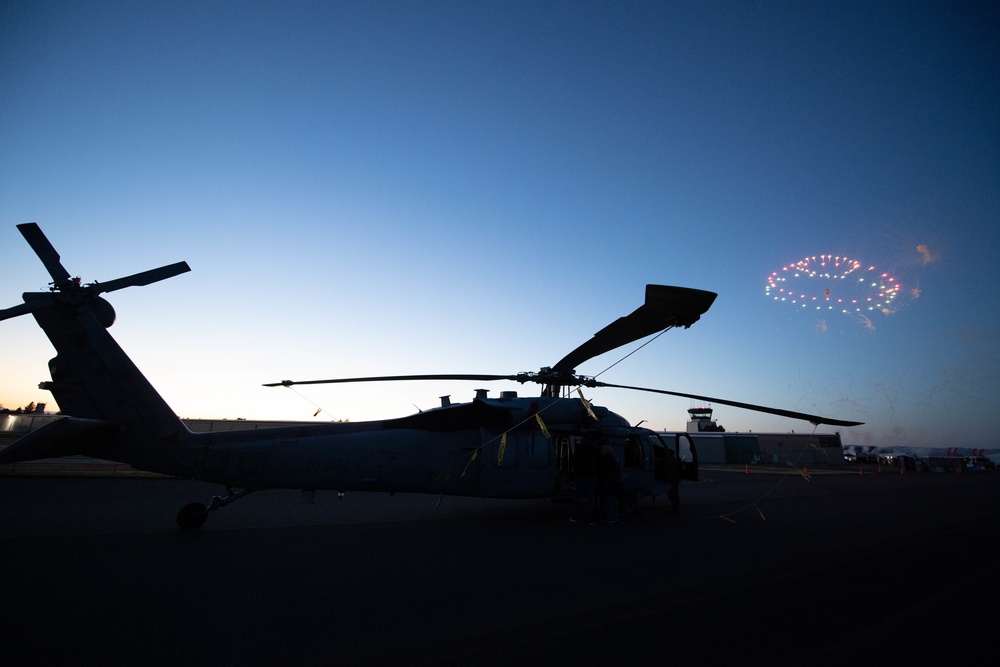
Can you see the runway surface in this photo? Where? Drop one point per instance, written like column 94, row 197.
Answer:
column 759, row 569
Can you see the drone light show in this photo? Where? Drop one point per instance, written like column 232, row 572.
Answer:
column 834, row 283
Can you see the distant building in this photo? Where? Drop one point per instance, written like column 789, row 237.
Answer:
column 716, row 445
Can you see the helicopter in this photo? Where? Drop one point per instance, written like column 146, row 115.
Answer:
column 504, row 447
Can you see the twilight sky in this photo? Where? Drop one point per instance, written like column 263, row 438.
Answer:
column 380, row 188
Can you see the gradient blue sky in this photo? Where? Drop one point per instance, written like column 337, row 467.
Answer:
column 367, row 188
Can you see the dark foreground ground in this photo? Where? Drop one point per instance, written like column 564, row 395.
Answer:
column 757, row 569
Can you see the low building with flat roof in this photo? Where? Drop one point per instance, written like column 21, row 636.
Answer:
column 715, row 444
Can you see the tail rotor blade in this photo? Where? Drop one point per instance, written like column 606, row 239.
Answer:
column 143, row 278
column 46, row 252
column 24, row 308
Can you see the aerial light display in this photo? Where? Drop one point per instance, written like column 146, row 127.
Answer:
column 834, row 283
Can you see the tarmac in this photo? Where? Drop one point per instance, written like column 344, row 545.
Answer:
column 777, row 569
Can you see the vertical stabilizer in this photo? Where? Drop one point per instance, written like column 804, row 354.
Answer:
column 93, row 378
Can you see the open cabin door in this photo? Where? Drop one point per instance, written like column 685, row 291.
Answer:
column 687, row 457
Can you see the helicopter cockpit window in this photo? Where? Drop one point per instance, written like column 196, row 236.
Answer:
column 633, row 452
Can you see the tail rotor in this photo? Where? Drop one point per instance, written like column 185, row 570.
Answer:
column 67, row 291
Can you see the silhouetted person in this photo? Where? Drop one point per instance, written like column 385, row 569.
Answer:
column 609, row 483
column 672, row 475
column 585, row 458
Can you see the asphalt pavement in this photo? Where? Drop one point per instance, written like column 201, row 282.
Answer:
column 775, row 569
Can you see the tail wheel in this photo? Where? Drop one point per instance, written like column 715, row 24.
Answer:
column 192, row 516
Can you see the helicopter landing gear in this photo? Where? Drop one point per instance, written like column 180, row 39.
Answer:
column 629, row 503
column 193, row 515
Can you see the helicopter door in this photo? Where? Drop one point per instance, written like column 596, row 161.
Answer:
column 687, row 455
column 564, row 443
column 677, row 459
column 634, row 456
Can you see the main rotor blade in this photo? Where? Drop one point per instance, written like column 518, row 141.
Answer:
column 665, row 307
column 812, row 419
column 46, row 252
column 143, row 278
column 394, row 378
column 25, row 308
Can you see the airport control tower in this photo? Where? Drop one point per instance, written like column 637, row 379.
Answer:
column 700, row 421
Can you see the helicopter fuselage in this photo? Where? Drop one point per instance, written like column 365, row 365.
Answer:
column 508, row 447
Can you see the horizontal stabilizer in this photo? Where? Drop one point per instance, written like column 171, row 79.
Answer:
column 63, row 437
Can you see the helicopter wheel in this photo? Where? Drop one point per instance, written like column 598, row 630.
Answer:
column 629, row 503
column 192, row 516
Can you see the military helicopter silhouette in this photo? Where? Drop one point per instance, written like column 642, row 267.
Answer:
column 506, row 447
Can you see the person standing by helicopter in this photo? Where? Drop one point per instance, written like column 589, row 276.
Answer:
column 668, row 469
column 609, row 482
column 585, row 460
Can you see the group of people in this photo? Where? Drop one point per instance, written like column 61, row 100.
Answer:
column 597, row 474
